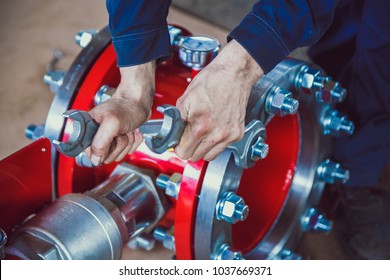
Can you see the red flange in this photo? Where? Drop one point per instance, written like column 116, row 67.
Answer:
column 264, row 187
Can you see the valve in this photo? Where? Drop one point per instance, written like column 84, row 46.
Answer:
column 197, row 51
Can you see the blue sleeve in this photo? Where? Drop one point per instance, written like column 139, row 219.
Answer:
column 274, row 28
column 139, row 30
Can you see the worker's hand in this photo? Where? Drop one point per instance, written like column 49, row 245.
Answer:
column 214, row 104
column 122, row 114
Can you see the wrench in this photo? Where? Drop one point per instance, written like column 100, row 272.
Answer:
column 160, row 135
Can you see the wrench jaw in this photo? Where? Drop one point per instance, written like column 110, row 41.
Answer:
column 167, row 135
column 243, row 150
column 84, row 129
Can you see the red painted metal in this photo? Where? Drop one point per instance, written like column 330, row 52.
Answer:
column 25, row 183
column 265, row 187
column 171, row 81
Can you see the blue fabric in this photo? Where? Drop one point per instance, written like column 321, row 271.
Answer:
column 356, row 51
column 350, row 39
column 139, row 30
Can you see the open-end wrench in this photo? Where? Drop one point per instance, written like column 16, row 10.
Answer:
column 160, row 135
column 163, row 134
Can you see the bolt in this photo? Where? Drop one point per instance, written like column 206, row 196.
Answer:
column 336, row 124
column 231, row 208
column 34, row 132
column 170, row 184
column 3, row 242
column 175, row 34
column 280, row 103
column 323, row 88
column 332, row 172
column 104, row 93
column 84, row 37
column 286, row 254
column 331, row 92
column 162, row 234
column 226, row 252
column 54, row 79
column 313, row 221
column 310, row 80
column 259, row 150
column 143, row 241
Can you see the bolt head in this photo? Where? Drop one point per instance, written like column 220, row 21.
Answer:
column 280, row 103
column 226, row 252
column 84, row 37
column 337, row 124
column 173, row 185
column 331, row 92
column 232, row 208
column 307, row 83
column 259, row 150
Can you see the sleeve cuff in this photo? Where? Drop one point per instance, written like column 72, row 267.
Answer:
column 142, row 47
column 261, row 41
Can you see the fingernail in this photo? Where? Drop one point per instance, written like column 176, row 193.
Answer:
column 96, row 160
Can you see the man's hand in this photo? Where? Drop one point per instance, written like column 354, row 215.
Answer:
column 122, row 114
column 214, row 104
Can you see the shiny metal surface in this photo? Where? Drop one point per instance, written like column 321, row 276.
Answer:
column 305, row 190
column 197, row 51
column 62, row 101
column 75, row 226
column 94, row 225
column 222, row 175
column 84, row 130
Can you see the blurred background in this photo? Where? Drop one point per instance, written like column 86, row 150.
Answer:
column 31, row 31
